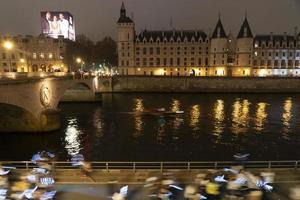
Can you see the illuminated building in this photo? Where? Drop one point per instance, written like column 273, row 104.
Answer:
column 195, row 53
column 31, row 54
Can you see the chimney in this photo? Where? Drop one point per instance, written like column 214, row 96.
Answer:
column 271, row 36
column 285, row 35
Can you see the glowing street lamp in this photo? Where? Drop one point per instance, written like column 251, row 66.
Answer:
column 8, row 45
column 78, row 60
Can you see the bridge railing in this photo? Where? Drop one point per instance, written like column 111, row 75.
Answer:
column 160, row 166
column 39, row 75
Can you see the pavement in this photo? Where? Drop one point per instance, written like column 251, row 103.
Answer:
column 71, row 184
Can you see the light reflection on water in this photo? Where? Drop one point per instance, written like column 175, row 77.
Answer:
column 138, row 107
column 207, row 122
column 260, row 117
column 195, row 117
column 73, row 143
column 240, row 116
column 287, row 116
column 219, row 117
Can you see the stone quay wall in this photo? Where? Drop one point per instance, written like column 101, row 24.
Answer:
column 200, row 84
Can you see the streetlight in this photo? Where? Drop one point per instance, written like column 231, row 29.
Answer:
column 8, row 45
column 80, row 61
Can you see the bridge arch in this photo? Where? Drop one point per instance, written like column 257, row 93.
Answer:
column 78, row 92
column 17, row 119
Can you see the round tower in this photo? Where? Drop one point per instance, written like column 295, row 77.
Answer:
column 218, row 51
column 244, row 49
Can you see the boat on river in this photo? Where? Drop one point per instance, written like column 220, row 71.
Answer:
column 157, row 112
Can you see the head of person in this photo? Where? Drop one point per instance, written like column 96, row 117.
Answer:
column 54, row 18
column 61, row 16
column 70, row 20
column 48, row 15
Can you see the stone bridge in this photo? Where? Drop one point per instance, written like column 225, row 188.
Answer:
column 30, row 104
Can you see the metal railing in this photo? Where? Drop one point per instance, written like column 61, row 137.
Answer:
column 161, row 166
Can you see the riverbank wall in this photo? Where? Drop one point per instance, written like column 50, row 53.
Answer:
column 200, row 84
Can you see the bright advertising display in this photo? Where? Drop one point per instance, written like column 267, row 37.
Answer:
column 55, row 23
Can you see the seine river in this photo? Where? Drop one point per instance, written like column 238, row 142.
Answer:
column 213, row 127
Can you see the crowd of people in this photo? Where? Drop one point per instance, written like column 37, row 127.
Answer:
column 35, row 184
column 229, row 183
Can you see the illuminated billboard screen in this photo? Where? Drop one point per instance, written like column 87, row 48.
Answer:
column 56, row 24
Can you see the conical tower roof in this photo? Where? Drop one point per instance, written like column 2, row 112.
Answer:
column 219, row 31
column 245, row 31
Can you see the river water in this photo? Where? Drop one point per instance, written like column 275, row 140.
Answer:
column 213, row 127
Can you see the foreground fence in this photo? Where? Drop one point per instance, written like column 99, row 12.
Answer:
column 161, row 166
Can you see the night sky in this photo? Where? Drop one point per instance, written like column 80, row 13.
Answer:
column 97, row 18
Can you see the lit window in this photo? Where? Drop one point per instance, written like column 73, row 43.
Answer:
column 34, row 55
column 50, row 55
column 255, row 53
column 256, row 45
column 42, row 55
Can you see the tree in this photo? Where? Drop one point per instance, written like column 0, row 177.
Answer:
column 103, row 51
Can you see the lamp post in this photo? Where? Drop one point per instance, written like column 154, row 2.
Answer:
column 8, row 45
column 80, row 62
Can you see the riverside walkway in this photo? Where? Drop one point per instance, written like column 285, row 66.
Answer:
column 107, row 177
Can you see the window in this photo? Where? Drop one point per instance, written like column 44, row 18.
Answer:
column 50, row 56
column 158, row 51
column 144, row 51
column 178, row 61
column 171, row 61
column 151, row 51
column 199, row 61
column 13, row 56
column 144, row 61
column 157, row 61
column 3, row 55
column 34, row 55
column 42, row 55
column 165, row 61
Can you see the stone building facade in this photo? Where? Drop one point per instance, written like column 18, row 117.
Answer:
column 195, row 53
column 32, row 54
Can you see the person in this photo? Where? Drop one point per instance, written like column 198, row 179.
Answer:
column 71, row 29
column 64, row 25
column 212, row 190
column 46, row 21
column 55, row 27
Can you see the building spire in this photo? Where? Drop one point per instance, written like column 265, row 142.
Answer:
column 246, row 14
column 123, row 10
column 219, row 15
column 219, row 31
column 245, row 30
